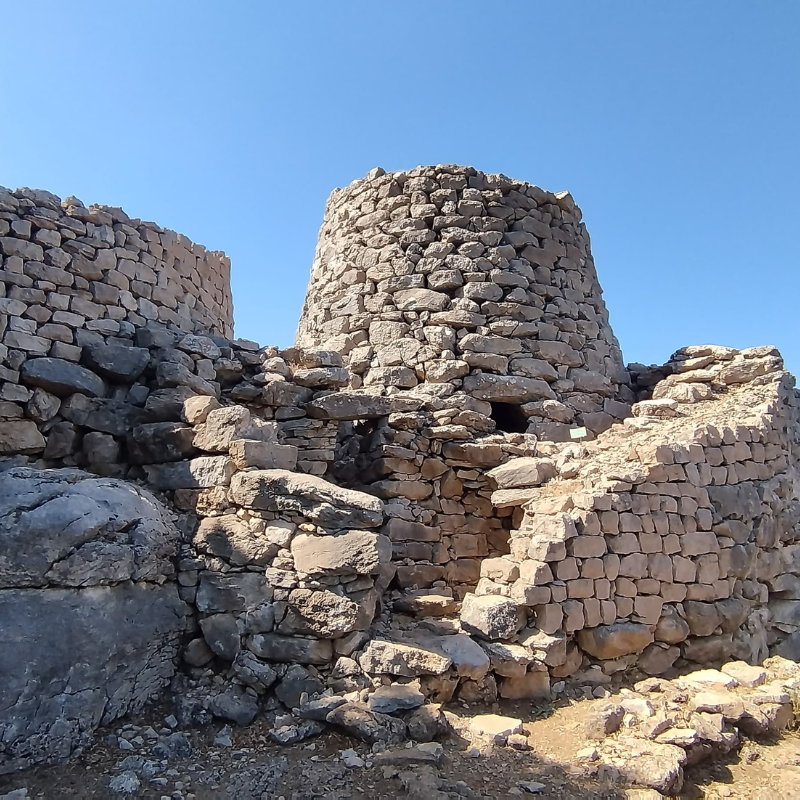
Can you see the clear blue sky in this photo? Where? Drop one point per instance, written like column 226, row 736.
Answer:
column 674, row 125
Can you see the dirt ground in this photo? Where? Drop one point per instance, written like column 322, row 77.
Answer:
column 253, row 767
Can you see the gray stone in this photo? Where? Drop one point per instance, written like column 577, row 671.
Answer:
column 296, row 682
column 116, row 362
column 54, row 527
column 321, row 501
column 228, row 537
column 367, row 725
column 263, row 455
column 61, row 378
column 603, row 719
column 491, row 617
column 348, row 553
column 274, row 647
column 507, row 388
column 160, row 441
column 385, row 657
column 320, row 613
column 397, row 697
column 352, row 405
column 199, row 473
column 123, row 641
column 235, row 705
column 253, row 673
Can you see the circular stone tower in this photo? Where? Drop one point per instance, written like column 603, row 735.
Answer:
column 447, row 275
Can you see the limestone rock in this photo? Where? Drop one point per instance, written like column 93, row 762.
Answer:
column 614, row 641
column 368, row 725
column 20, row 436
column 494, row 727
column 491, row 617
column 385, row 657
column 394, row 698
column 275, row 647
column 351, row 552
column 321, row 501
column 319, row 613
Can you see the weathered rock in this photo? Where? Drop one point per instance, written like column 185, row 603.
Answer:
column 198, row 473
column 319, row 613
column 274, row 647
column 54, row 526
column 116, row 362
column 533, row 685
column 427, row 723
column 62, row 378
column 295, row 683
column 160, row 441
column 658, row 766
column 384, row 657
column 234, row 592
column 123, row 641
column 397, row 697
column 234, row 704
column 603, row 719
column 523, row 472
column 229, row 538
column 321, row 501
column 494, row 727
column 252, row 672
column 263, row 455
column 491, row 617
column 20, row 436
column 614, row 641
column 348, row 553
column 364, row 724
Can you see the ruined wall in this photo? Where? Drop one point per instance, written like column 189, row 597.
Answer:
column 450, row 277
column 672, row 538
column 330, row 505
column 72, row 276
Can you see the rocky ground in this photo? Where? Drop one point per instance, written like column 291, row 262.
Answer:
column 148, row 758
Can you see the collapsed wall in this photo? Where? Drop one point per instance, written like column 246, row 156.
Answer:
column 457, row 279
column 337, row 531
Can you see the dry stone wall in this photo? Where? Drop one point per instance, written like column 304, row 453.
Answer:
column 671, row 538
column 463, row 495
column 457, row 279
column 72, row 276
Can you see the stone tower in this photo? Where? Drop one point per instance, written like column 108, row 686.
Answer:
column 452, row 280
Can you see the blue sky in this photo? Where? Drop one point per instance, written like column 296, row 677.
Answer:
column 673, row 124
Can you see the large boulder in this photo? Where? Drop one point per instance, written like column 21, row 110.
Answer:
column 62, row 378
column 90, row 625
column 328, row 505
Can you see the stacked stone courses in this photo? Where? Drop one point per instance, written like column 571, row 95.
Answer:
column 448, row 488
column 449, row 276
column 72, row 276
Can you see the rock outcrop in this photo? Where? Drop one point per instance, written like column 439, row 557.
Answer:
column 90, row 618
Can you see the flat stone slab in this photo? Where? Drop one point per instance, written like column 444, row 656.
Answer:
column 494, row 727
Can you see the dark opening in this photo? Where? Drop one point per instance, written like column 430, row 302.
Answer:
column 509, row 418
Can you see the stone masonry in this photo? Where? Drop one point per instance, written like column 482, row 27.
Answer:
column 448, row 488
column 452, row 278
